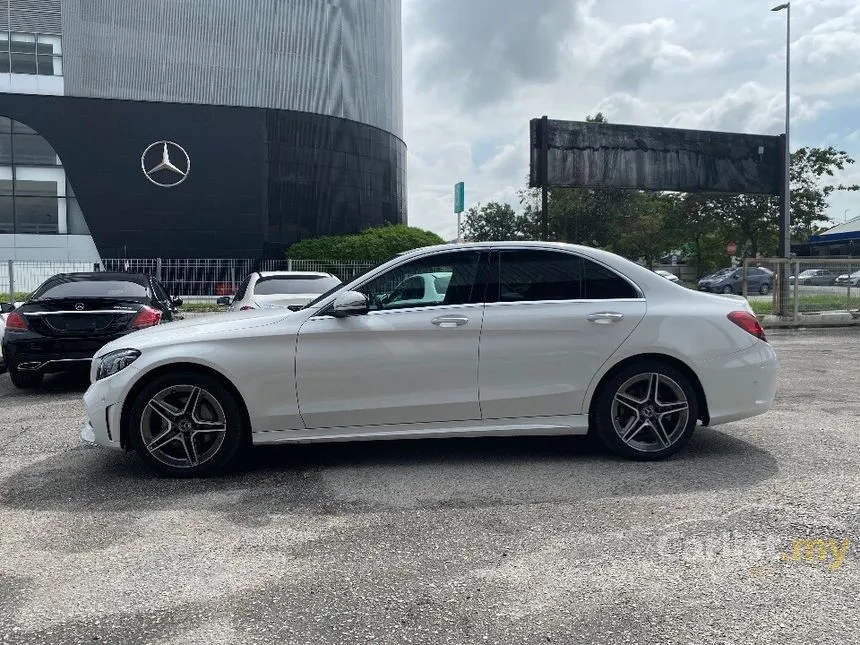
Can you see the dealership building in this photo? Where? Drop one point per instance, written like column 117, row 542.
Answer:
column 196, row 128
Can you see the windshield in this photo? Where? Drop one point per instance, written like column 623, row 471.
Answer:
column 84, row 288
column 278, row 285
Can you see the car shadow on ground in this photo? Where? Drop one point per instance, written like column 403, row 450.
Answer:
column 71, row 383
column 345, row 478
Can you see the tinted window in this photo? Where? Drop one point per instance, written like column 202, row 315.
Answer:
column 602, row 284
column 528, row 276
column 452, row 276
column 287, row 284
column 240, row 292
column 77, row 288
column 160, row 291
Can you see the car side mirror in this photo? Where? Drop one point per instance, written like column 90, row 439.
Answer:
column 223, row 301
column 350, row 303
column 6, row 308
column 176, row 302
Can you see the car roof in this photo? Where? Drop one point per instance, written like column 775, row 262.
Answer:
column 294, row 274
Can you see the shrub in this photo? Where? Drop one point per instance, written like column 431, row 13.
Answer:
column 372, row 245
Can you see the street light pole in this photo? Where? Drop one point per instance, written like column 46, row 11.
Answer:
column 785, row 215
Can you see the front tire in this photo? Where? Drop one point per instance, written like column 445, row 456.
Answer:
column 187, row 425
column 727, row 289
column 25, row 380
column 646, row 412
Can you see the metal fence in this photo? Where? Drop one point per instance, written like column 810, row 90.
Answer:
column 818, row 289
column 194, row 280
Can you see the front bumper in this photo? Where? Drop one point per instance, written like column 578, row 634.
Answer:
column 104, row 403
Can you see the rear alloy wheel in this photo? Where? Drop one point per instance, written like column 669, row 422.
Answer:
column 647, row 411
column 727, row 289
column 764, row 289
column 187, row 425
column 25, row 380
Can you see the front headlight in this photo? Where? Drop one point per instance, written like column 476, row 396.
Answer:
column 115, row 361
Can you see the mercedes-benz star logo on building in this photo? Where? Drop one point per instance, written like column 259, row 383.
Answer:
column 79, row 306
column 165, row 164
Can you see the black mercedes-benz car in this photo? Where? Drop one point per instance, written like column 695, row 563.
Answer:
column 72, row 315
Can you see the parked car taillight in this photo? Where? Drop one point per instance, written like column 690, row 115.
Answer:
column 148, row 317
column 16, row 321
column 749, row 323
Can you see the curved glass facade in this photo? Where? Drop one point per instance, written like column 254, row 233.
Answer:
column 340, row 58
column 35, row 196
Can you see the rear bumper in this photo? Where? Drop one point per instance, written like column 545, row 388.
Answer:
column 740, row 385
column 29, row 352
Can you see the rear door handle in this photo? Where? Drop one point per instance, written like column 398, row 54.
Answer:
column 606, row 317
column 450, row 321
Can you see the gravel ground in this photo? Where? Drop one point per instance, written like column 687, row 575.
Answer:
column 468, row 541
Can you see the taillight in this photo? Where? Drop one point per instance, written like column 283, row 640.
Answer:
column 16, row 321
column 749, row 323
column 148, row 317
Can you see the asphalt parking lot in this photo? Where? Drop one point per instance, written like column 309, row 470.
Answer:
column 466, row 541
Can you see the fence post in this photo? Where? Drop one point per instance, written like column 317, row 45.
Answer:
column 232, row 275
column 289, row 264
column 796, row 289
column 158, row 269
column 12, row 282
column 848, row 299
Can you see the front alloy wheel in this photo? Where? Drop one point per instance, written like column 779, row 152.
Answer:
column 647, row 411
column 186, row 425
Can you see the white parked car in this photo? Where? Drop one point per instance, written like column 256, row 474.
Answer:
column 266, row 289
column 531, row 338
column 671, row 277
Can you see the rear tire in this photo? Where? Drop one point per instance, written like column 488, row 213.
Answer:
column 25, row 380
column 639, row 421
column 182, row 436
column 764, row 289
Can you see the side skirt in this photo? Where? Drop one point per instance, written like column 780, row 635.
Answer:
column 543, row 426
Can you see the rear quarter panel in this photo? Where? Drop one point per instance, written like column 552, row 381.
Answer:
column 693, row 333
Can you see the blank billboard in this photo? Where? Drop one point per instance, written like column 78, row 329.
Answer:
column 601, row 155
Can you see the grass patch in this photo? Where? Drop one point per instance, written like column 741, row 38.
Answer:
column 201, row 307
column 809, row 304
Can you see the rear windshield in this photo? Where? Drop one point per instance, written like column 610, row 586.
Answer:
column 286, row 285
column 76, row 288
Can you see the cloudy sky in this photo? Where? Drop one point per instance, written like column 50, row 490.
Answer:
column 476, row 71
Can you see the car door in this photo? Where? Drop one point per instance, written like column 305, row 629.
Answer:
column 552, row 319
column 405, row 361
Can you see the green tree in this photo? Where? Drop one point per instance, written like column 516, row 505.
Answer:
column 494, row 222
column 372, row 245
column 810, row 197
column 647, row 228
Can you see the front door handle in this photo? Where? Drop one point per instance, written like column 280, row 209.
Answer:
column 606, row 317
column 450, row 321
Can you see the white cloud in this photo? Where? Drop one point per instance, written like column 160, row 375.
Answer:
column 476, row 72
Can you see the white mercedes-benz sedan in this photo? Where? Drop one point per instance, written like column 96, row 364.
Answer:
column 531, row 338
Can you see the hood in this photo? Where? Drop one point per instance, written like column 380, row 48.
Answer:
column 204, row 327
column 285, row 300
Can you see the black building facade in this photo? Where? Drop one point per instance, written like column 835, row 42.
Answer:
column 258, row 179
column 273, row 122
